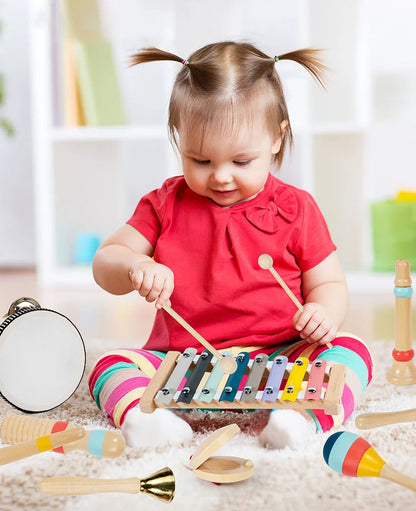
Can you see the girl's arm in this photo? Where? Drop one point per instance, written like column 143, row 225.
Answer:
column 326, row 301
column 124, row 263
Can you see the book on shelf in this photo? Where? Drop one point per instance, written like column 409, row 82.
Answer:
column 100, row 92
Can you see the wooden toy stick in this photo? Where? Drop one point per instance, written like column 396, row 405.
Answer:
column 160, row 485
column 350, row 455
column 266, row 262
column 228, row 364
column 41, row 444
column 22, row 428
column 375, row 420
column 403, row 371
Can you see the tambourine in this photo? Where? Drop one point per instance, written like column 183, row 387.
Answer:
column 42, row 357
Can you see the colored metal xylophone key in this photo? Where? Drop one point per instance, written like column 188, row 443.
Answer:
column 189, row 380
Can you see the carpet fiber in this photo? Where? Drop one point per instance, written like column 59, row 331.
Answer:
column 289, row 480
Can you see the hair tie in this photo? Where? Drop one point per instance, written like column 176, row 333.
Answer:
column 276, row 58
column 185, row 62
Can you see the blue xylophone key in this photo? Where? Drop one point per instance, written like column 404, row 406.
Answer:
column 234, row 380
column 275, row 378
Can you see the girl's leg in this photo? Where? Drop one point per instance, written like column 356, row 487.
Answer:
column 348, row 350
column 117, row 383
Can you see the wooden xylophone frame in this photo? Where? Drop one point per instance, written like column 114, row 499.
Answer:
column 333, row 380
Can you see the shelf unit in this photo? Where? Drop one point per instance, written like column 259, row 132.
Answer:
column 90, row 178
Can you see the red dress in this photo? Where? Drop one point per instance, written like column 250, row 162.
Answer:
column 220, row 290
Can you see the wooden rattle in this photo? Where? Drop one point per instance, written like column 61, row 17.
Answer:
column 350, row 455
column 375, row 420
column 403, row 371
column 41, row 444
column 266, row 262
column 220, row 469
column 20, row 428
column 42, row 357
column 160, row 485
column 227, row 363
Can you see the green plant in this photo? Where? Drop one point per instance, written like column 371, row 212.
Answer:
column 4, row 123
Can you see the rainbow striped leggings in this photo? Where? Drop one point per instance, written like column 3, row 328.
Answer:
column 119, row 378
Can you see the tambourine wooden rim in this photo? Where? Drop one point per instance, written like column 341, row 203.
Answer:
column 80, row 369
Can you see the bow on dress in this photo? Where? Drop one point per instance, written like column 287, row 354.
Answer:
column 266, row 217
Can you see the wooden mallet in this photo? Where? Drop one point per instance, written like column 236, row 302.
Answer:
column 350, row 455
column 375, row 420
column 265, row 261
column 228, row 364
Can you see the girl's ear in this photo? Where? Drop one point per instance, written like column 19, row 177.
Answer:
column 278, row 142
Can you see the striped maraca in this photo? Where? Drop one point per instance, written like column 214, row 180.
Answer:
column 20, row 428
column 350, row 455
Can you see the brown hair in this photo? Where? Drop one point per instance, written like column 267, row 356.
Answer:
column 230, row 81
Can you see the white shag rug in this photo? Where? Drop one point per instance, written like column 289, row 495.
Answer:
column 287, row 479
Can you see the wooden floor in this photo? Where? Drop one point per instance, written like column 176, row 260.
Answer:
column 129, row 318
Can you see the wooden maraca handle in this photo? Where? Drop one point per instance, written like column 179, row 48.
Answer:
column 86, row 485
column 395, row 476
column 374, row 420
column 41, row 444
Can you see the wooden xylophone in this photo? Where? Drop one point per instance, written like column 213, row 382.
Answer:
column 189, row 380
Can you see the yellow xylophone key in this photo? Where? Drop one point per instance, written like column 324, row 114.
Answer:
column 294, row 382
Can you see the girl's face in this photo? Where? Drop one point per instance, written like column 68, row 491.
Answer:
column 231, row 169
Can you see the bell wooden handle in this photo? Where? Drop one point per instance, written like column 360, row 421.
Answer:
column 374, row 420
column 41, row 444
column 86, row 485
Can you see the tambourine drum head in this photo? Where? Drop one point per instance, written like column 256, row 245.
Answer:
column 42, row 360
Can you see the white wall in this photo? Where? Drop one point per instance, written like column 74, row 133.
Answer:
column 16, row 190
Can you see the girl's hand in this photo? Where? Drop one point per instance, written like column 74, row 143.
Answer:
column 314, row 324
column 153, row 281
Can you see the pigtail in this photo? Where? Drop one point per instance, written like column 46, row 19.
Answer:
column 153, row 55
column 309, row 59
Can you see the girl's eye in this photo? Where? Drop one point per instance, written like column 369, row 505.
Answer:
column 201, row 162
column 241, row 163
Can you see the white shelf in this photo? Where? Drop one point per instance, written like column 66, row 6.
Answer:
column 106, row 133
column 365, row 282
column 355, row 140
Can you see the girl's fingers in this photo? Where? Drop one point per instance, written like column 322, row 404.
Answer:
column 147, row 284
column 137, row 279
column 311, row 325
column 165, row 294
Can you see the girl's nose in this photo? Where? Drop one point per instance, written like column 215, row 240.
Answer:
column 222, row 175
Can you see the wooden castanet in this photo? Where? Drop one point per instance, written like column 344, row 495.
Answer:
column 375, row 420
column 220, row 469
column 350, row 455
column 20, row 428
column 160, row 485
column 191, row 381
column 41, row 444
column 228, row 364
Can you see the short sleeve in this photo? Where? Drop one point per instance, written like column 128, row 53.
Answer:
column 314, row 242
column 150, row 211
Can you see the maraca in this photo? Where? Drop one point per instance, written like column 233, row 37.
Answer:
column 350, row 455
column 20, row 428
